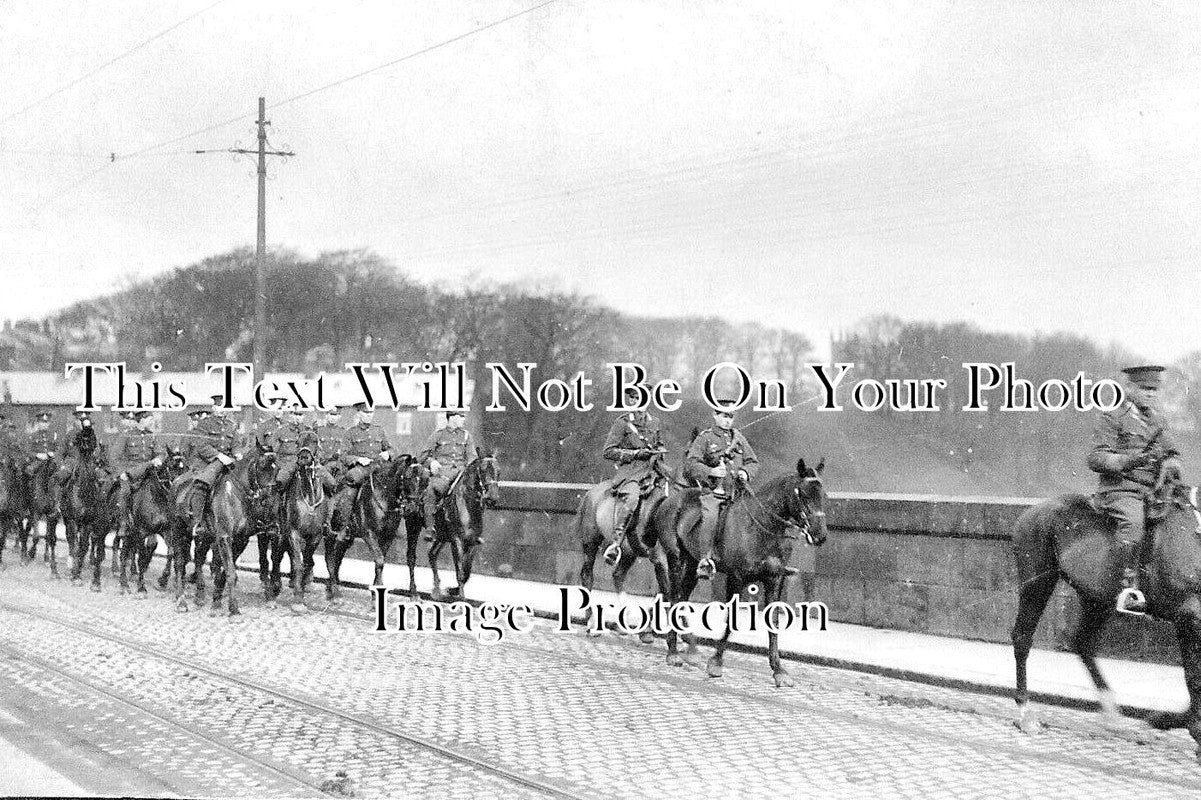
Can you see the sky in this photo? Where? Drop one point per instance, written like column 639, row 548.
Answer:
column 1029, row 167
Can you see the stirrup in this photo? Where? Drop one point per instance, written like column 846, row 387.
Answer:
column 1131, row 601
column 613, row 554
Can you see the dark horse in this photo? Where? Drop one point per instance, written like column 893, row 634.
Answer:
column 300, row 530
column 239, row 496
column 459, row 521
column 150, row 516
column 756, row 541
column 10, row 501
column 1066, row 537
column 371, row 518
column 594, row 521
column 41, row 515
column 86, row 516
column 410, row 503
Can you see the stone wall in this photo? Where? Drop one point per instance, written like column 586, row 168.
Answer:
column 936, row 565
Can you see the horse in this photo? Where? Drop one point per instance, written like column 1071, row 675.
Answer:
column 371, row 517
column 1067, row 537
column 86, row 516
column 410, row 506
column 459, row 521
column 756, row 543
column 150, row 516
column 228, row 524
column 10, row 501
column 41, row 515
column 300, row 529
column 595, row 518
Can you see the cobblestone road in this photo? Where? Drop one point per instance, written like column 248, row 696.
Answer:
column 160, row 703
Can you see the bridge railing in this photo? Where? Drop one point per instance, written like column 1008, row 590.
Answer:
column 929, row 563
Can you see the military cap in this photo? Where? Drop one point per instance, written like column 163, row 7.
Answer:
column 726, row 405
column 218, row 399
column 81, row 413
column 363, row 407
column 1147, row 376
column 129, row 413
column 141, row 413
column 43, row 414
column 453, row 412
column 196, row 412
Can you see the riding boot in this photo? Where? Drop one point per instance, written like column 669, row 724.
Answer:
column 1130, row 599
column 613, row 551
column 710, row 508
column 197, row 501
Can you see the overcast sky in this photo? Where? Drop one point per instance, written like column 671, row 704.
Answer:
column 1024, row 166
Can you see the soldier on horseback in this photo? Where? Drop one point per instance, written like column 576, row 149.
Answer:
column 81, row 444
column 264, row 428
column 213, row 452
column 133, row 453
column 365, row 441
column 1131, row 446
column 10, row 443
column 288, row 439
column 331, row 440
column 447, row 453
column 722, row 462
column 635, row 443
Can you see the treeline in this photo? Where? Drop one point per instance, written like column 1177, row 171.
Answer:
column 355, row 306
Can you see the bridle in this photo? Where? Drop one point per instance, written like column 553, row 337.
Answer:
column 788, row 521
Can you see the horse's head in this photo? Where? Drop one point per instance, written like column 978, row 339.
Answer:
column 175, row 463
column 304, row 458
column 806, row 501
column 488, row 479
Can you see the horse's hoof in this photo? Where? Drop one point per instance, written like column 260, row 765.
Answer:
column 299, row 608
column 272, row 605
column 1028, row 722
column 688, row 639
column 784, row 680
column 181, row 607
column 646, row 637
column 214, row 612
column 593, row 633
column 455, row 591
column 674, row 660
column 77, row 581
column 142, row 594
column 713, row 669
column 236, row 618
column 95, row 587
column 123, row 590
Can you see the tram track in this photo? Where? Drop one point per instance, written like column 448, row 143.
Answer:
column 472, row 762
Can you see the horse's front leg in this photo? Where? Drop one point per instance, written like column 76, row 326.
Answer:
column 126, row 555
column 776, row 594
column 75, row 554
column 300, row 557
column 734, row 585
column 412, row 533
column 96, row 537
column 435, row 551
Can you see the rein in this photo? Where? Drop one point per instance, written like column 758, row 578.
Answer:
column 802, row 523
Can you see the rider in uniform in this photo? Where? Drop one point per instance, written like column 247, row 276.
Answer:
column 365, row 441
column 293, row 435
column 133, row 452
column 331, row 440
column 447, row 453
column 82, row 439
column 1131, row 445
column 634, row 440
column 265, row 427
column 10, row 444
column 43, row 444
column 214, row 451
column 722, row 462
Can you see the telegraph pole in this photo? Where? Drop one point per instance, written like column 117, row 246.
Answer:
column 260, row 250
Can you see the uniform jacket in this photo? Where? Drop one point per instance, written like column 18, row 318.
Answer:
column 364, row 441
column 451, row 448
column 217, row 435
column 132, row 449
column 718, row 446
column 629, row 434
column 331, row 439
column 288, row 439
column 1126, row 431
column 47, row 441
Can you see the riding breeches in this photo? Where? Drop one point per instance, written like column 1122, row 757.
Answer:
column 1128, row 510
column 435, row 490
column 710, row 511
